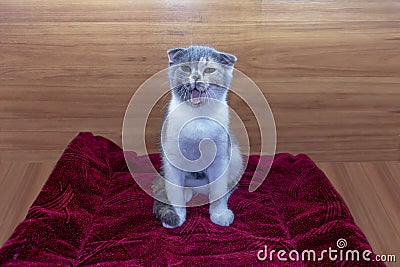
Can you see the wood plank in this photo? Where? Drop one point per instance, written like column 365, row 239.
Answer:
column 370, row 190
column 23, row 182
column 330, row 70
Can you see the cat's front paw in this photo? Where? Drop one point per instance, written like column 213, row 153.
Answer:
column 222, row 217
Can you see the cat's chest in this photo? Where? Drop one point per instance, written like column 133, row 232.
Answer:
column 208, row 121
column 194, row 132
column 201, row 128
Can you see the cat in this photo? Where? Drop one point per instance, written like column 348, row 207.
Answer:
column 199, row 77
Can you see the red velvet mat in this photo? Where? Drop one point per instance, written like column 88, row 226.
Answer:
column 91, row 212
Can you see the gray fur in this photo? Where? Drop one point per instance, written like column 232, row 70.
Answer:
column 163, row 211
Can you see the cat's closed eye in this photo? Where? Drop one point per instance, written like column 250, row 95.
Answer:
column 209, row 70
column 186, row 68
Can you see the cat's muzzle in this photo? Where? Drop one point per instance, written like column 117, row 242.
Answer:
column 197, row 92
column 199, row 86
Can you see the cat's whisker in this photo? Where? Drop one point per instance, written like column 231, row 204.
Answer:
column 164, row 101
column 207, row 96
column 212, row 92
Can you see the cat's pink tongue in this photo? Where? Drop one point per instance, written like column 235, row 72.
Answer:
column 195, row 97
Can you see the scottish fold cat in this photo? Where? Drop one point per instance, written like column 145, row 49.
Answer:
column 199, row 152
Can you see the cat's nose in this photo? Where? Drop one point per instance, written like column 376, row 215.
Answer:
column 195, row 77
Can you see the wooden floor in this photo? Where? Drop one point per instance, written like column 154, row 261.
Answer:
column 371, row 191
column 330, row 71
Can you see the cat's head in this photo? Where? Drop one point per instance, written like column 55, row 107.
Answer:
column 198, row 73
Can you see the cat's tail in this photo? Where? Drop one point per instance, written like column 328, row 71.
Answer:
column 163, row 211
column 166, row 214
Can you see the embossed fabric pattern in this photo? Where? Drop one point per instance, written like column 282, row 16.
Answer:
column 91, row 211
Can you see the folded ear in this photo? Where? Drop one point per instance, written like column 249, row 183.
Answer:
column 228, row 59
column 173, row 54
